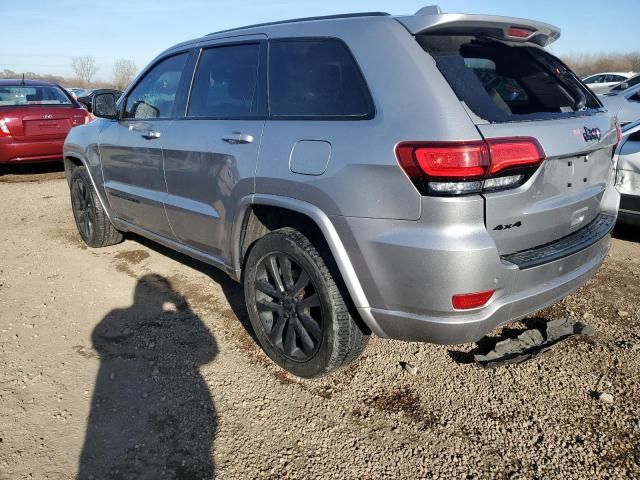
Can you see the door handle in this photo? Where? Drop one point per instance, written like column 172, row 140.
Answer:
column 238, row 138
column 151, row 134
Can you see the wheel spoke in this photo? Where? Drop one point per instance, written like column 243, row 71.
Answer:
column 309, row 302
column 275, row 273
column 285, row 268
column 310, row 325
column 277, row 330
column 290, row 340
column 307, row 341
column 270, row 306
column 303, row 281
column 264, row 287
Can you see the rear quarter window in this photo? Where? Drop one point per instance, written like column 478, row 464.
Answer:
column 316, row 79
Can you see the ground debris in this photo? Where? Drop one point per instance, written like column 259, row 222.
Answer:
column 531, row 343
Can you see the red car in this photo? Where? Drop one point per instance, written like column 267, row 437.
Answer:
column 35, row 118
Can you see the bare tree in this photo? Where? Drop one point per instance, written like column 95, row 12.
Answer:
column 85, row 68
column 123, row 73
column 585, row 64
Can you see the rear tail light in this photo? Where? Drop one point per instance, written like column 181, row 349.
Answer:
column 458, row 168
column 466, row 301
column 4, row 130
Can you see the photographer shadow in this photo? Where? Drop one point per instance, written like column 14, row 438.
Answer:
column 152, row 415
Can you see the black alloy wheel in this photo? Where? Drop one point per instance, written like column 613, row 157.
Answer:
column 289, row 307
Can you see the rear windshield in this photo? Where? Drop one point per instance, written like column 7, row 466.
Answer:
column 503, row 82
column 36, row 95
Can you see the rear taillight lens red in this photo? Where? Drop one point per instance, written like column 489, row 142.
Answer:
column 454, row 168
column 513, row 152
column 4, row 130
column 465, row 301
column 464, row 160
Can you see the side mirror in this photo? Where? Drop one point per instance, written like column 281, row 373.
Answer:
column 622, row 86
column 103, row 105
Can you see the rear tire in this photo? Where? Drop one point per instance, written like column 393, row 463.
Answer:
column 93, row 224
column 296, row 309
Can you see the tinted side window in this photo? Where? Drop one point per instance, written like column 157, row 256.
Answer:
column 226, row 82
column 154, row 95
column 315, row 78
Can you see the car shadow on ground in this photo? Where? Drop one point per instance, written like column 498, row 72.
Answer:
column 629, row 233
column 151, row 415
column 31, row 172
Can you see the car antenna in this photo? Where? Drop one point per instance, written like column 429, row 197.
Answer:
column 22, row 79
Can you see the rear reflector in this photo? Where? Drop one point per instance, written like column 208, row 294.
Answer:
column 519, row 32
column 458, row 168
column 465, row 301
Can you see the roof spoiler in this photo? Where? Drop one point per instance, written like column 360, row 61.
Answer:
column 432, row 20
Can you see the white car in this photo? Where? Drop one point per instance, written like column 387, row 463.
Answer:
column 602, row 82
column 628, row 174
column 624, row 104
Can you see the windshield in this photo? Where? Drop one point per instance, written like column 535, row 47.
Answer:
column 33, row 95
column 505, row 82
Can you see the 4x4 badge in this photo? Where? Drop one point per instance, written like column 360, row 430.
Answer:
column 591, row 134
column 508, row 226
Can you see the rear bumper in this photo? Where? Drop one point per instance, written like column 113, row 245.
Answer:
column 533, row 290
column 15, row 151
column 409, row 271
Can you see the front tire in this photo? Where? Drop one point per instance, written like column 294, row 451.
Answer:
column 93, row 224
column 296, row 309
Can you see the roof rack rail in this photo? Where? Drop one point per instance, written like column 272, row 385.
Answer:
column 305, row 19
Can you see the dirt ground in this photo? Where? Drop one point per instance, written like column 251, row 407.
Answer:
column 136, row 362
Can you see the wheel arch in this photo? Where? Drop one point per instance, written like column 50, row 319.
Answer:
column 250, row 225
column 72, row 161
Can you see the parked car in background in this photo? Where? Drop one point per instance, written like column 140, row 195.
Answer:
column 628, row 174
column 630, row 82
column 35, row 117
column 624, row 104
column 86, row 99
column 77, row 91
column 602, row 82
column 413, row 176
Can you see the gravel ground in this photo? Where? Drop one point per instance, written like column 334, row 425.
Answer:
column 136, row 362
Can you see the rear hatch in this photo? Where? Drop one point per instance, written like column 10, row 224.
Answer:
column 514, row 89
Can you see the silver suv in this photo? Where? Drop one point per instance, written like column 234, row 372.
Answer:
column 425, row 177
